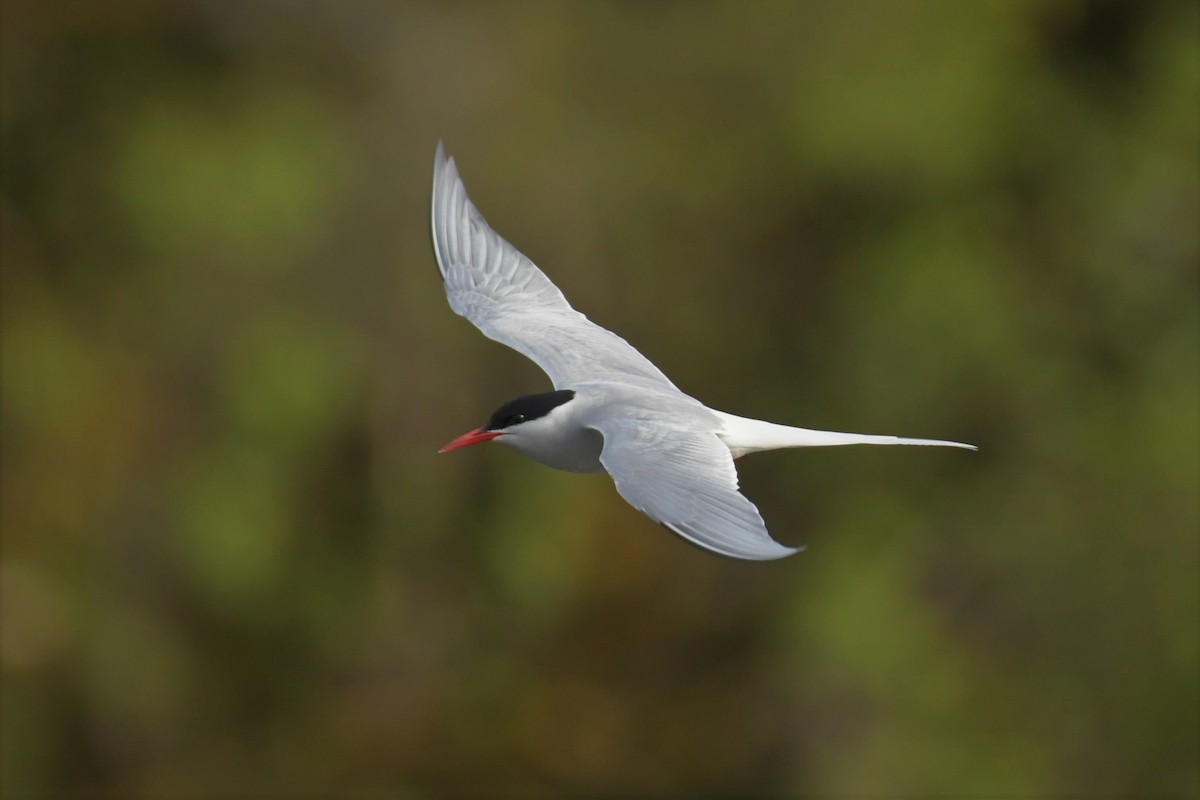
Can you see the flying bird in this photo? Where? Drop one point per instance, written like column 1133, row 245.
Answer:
column 670, row 456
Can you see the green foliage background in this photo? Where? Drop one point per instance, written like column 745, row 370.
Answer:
column 233, row 563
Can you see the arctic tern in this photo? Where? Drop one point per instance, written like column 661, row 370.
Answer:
column 670, row 456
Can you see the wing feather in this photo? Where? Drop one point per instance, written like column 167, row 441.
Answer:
column 511, row 301
column 686, row 480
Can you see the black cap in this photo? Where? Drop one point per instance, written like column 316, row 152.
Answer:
column 527, row 407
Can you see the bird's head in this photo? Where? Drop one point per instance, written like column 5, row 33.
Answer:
column 524, row 415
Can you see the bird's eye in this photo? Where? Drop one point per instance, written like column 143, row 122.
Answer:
column 516, row 418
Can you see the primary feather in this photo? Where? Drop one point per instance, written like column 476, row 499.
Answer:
column 510, row 300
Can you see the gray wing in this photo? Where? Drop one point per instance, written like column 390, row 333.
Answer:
column 686, row 480
column 513, row 302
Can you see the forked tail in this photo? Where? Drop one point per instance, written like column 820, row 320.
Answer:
column 743, row 435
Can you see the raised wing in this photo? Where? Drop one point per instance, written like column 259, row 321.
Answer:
column 685, row 479
column 513, row 302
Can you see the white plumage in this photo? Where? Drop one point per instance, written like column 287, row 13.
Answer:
column 670, row 456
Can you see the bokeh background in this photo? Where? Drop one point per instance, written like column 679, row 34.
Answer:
column 233, row 563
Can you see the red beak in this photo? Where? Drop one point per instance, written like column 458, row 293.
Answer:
column 477, row 436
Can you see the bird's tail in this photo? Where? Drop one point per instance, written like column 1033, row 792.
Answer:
column 743, row 435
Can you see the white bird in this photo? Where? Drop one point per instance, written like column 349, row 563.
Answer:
column 670, row 456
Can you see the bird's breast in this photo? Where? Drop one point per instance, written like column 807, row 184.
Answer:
column 575, row 450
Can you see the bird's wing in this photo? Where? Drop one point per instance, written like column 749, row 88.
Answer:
column 675, row 475
column 513, row 302
column 685, row 479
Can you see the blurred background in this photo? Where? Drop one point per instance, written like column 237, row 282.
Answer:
column 233, row 563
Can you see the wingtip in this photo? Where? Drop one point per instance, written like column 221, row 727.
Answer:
column 445, row 172
column 775, row 555
column 439, row 159
column 791, row 551
column 443, row 177
column 769, row 550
